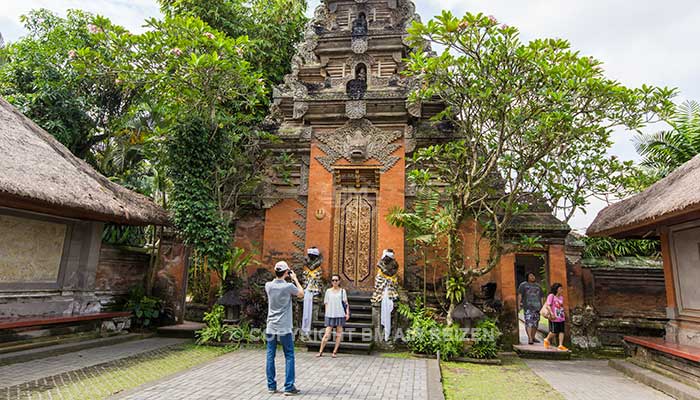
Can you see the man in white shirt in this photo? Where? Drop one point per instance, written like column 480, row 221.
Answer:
column 279, row 325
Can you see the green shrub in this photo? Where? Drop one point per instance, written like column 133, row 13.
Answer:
column 428, row 336
column 216, row 331
column 145, row 310
column 486, row 337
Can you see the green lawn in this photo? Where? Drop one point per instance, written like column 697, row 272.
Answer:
column 103, row 381
column 512, row 380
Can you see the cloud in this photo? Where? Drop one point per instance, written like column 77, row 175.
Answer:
column 127, row 13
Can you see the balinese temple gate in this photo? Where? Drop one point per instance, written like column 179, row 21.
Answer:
column 345, row 130
column 345, row 125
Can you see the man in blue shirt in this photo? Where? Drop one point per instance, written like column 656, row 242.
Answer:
column 279, row 325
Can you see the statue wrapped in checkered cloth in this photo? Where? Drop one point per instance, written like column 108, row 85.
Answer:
column 386, row 285
column 312, row 273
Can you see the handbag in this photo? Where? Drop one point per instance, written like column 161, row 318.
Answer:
column 544, row 311
column 345, row 304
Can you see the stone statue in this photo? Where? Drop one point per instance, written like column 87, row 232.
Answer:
column 312, row 272
column 357, row 87
column 359, row 26
column 386, row 278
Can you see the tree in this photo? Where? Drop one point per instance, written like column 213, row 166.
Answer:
column 204, row 100
column 425, row 225
column 273, row 27
column 664, row 151
column 81, row 109
column 532, row 122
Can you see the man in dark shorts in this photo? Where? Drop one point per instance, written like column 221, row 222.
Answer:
column 530, row 301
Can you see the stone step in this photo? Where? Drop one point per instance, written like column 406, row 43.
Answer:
column 349, row 324
column 354, row 316
column 185, row 330
column 366, row 308
column 350, row 336
column 359, row 297
column 345, row 347
column 69, row 346
column 43, row 341
column 656, row 380
column 538, row 351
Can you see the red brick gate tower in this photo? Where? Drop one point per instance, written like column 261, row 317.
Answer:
column 345, row 129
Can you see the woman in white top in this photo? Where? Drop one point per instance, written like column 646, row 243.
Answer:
column 337, row 311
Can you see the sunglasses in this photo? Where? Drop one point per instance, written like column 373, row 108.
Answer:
column 335, row 280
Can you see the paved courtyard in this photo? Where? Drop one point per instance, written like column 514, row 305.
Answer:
column 31, row 371
column 241, row 375
column 592, row 380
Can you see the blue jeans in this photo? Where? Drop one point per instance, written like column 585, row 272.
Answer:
column 288, row 348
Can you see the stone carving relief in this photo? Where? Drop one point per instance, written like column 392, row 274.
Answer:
column 356, row 87
column 304, row 179
column 355, row 109
column 359, row 45
column 300, row 109
column 324, row 18
column 409, row 139
column 358, row 140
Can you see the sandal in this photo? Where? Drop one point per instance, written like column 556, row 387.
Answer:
column 319, row 354
column 334, row 355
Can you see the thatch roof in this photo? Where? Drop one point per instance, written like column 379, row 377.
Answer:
column 671, row 200
column 37, row 173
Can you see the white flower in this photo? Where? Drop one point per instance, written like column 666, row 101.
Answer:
column 209, row 35
column 176, row 51
column 72, row 54
column 94, row 28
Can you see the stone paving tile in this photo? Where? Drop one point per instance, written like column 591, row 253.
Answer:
column 592, row 380
column 16, row 374
column 241, row 375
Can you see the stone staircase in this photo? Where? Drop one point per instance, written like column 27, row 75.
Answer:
column 358, row 335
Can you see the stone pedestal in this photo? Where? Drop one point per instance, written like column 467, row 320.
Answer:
column 685, row 333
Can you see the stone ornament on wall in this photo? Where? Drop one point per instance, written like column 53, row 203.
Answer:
column 300, row 109
column 355, row 109
column 359, row 45
column 357, row 141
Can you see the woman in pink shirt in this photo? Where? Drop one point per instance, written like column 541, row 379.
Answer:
column 555, row 304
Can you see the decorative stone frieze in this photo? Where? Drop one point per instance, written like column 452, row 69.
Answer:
column 357, row 141
column 355, row 109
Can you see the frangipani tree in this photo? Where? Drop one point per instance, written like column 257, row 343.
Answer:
column 531, row 120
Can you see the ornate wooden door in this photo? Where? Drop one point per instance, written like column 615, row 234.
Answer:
column 355, row 239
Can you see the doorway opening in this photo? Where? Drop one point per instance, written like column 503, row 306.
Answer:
column 525, row 264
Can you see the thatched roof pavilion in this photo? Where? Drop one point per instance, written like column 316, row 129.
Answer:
column 673, row 199
column 37, row 173
column 669, row 209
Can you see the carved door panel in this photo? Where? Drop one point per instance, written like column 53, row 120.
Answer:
column 355, row 233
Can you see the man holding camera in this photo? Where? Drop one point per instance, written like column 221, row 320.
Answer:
column 279, row 325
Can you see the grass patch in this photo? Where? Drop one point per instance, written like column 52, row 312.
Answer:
column 102, row 381
column 511, row 380
column 399, row 354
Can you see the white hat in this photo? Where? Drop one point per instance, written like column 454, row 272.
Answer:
column 313, row 251
column 281, row 266
column 387, row 253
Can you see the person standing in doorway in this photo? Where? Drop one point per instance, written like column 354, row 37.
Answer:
column 530, row 301
column 555, row 304
column 279, row 325
column 337, row 311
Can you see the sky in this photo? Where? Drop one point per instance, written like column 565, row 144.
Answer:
column 639, row 41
